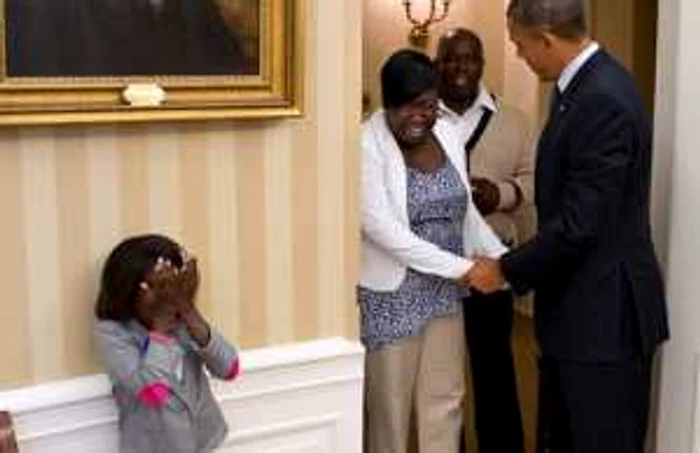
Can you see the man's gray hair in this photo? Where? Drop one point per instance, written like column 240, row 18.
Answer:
column 563, row 18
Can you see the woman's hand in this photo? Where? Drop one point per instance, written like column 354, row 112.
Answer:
column 154, row 309
column 188, row 313
column 160, row 299
column 168, row 297
column 188, row 284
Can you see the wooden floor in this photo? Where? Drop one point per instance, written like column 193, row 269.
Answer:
column 525, row 357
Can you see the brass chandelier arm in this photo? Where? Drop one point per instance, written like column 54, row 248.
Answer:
column 431, row 19
column 419, row 32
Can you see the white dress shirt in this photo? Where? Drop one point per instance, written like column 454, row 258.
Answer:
column 463, row 125
column 575, row 65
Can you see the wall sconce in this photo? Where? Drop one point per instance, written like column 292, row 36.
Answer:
column 419, row 35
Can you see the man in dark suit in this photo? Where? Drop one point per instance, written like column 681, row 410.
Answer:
column 599, row 306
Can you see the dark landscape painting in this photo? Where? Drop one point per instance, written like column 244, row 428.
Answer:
column 93, row 38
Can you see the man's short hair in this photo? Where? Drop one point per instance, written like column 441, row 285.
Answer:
column 563, row 18
column 458, row 34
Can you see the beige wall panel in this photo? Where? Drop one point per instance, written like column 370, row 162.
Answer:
column 252, row 223
column 132, row 147
column 75, row 264
column 489, row 21
column 351, row 169
column 305, row 256
column 15, row 354
column 269, row 208
column 42, row 252
column 223, row 273
column 164, row 172
column 279, row 235
column 192, row 193
column 304, row 180
column 331, row 137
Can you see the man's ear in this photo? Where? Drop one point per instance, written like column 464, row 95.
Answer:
column 548, row 38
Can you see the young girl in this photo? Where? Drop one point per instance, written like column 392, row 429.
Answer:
column 154, row 344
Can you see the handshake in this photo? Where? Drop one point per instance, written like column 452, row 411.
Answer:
column 484, row 276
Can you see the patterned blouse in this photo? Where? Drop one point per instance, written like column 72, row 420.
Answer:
column 437, row 205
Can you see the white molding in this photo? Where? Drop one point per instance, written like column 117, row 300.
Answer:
column 285, row 428
column 695, row 441
column 295, row 398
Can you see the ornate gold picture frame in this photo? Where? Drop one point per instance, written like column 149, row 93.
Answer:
column 92, row 61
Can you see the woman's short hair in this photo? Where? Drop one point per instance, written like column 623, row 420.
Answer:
column 126, row 267
column 406, row 75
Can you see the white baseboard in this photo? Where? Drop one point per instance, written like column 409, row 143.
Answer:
column 301, row 398
column 695, row 445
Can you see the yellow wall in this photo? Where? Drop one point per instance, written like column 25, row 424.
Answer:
column 269, row 208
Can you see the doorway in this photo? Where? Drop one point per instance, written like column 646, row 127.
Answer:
column 626, row 28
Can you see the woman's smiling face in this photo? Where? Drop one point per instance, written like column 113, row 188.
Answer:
column 411, row 123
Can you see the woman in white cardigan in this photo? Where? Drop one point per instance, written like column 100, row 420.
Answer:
column 419, row 230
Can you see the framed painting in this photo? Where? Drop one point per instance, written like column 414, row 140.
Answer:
column 80, row 61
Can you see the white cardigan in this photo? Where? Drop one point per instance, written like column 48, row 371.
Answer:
column 389, row 246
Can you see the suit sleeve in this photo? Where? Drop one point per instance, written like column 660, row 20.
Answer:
column 596, row 170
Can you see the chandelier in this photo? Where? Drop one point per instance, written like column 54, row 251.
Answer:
column 419, row 34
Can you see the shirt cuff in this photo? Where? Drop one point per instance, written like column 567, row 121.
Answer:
column 465, row 265
column 499, row 252
column 508, row 195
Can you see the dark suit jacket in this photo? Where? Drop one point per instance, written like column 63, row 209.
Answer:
column 599, row 293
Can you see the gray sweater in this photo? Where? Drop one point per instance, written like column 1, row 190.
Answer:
column 162, row 393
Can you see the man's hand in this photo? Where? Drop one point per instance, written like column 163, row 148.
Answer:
column 485, row 195
column 486, row 275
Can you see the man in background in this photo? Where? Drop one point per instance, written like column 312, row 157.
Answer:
column 499, row 158
column 600, row 307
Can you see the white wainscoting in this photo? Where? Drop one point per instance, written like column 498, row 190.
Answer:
column 301, row 398
column 695, row 445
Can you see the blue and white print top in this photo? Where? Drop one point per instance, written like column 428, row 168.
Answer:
column 437, row 205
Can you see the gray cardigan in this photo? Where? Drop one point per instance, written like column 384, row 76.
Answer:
column 162, row 393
